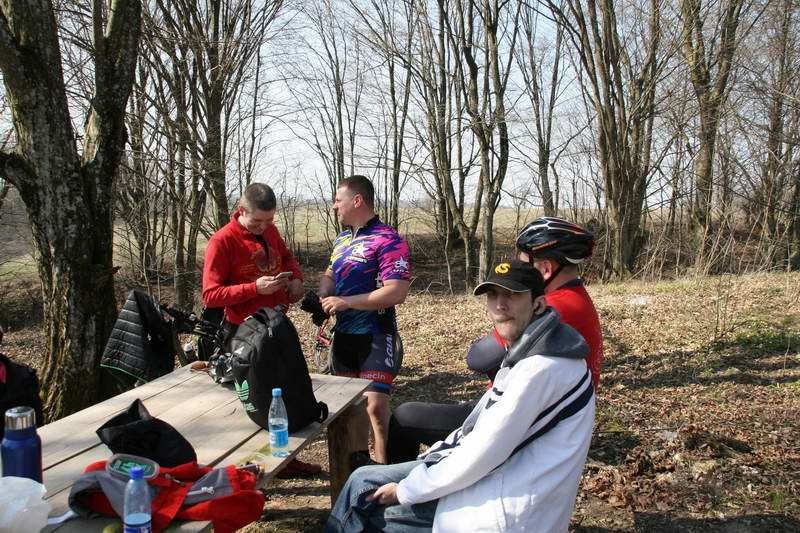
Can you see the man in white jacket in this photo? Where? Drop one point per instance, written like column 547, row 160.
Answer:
column 516, row 462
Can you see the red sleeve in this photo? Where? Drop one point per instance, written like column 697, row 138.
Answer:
column 216, row 271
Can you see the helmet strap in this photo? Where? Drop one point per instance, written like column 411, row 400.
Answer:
column 555, row 274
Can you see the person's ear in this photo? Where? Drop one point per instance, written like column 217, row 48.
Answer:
column 549, row 269
column 539, row 305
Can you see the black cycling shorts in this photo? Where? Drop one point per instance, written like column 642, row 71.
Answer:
column 373, row 356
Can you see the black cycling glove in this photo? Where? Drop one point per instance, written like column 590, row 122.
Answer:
column 312, row 305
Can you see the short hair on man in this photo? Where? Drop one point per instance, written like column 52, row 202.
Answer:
column 358, row 184
column 258, row 197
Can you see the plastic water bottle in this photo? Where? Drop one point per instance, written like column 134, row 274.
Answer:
column 137, row 503
column 278, row 425
column 22, row 447
column 188, row 350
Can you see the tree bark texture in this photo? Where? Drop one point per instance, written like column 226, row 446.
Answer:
column 623, row 96
column 69, row 197
column 709, row 71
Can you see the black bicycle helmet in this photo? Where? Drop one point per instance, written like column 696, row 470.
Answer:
column 556, row 238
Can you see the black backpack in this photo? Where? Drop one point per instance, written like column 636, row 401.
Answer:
column 266, row 353
column 21, row 388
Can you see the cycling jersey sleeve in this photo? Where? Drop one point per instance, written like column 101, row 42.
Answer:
column 395, row 260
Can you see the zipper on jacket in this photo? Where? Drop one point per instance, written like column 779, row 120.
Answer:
column 201, row 490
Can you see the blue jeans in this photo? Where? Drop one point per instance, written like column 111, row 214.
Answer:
column 353, row 513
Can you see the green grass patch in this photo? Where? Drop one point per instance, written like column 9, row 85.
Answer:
column 764, row 338
column 777, row 500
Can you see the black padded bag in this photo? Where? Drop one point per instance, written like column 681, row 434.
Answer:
column 266, row 353
column 21, row 388
column 142, row 345
column 136, row 432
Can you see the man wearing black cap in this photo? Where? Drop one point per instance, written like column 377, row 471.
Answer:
column 516, row 461
column 555, row 247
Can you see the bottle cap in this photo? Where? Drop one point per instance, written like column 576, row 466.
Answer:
column 276, row 392
column 20, row 418
column 137, row 472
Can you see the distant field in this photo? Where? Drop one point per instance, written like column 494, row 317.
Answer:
column 308, row 222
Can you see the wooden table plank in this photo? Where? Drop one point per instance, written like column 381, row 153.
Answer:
column 337, row 394
column 97, row 524
column 208, row 415
column 74, row 434
column 213, row 423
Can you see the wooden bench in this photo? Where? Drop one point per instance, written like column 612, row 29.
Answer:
column 212, row 419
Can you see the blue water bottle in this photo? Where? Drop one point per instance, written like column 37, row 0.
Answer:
column 278, row 425
column 137, row 503
column 22, row 447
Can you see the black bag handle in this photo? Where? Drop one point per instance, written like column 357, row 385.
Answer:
column 265, row 315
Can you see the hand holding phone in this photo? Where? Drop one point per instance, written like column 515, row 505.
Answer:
column 283, row 275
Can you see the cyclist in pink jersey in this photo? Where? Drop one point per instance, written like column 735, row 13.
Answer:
column 368, row 275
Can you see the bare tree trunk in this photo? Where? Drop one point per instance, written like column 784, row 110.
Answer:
column 69, row 197
column 794, row 218
column 5, row 187
column 776, row 167
column 622, row 87
column 702, row 56
column 215, row 169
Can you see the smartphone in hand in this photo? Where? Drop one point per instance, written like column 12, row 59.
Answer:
column 283, row 275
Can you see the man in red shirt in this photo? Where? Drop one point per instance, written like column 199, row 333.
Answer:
column 242, row 271
column 555, row 247
column 245, row 257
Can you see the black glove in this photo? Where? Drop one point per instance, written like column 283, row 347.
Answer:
column 312, row 305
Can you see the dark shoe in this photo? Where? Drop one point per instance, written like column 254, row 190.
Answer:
column 359, row 459
column 298, row 468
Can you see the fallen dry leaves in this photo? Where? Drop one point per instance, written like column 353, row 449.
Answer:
column 698, row 419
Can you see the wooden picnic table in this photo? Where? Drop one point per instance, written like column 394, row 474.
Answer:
column 211, row 417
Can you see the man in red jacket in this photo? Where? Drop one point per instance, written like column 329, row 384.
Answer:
column 556, row 247
column 248, row 266
column 244, row 259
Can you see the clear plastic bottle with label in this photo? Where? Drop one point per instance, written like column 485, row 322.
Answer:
column 278, row 425
column 137, row 503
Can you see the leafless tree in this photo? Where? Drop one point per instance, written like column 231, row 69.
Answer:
column 328, row 88
column 621, row 77
column 710, row 39
column 69, row 194
column 543, row 94
column 391, row 33
column 222, row 39
column 485, row 34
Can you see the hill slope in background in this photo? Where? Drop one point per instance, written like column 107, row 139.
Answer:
column 698, row 412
